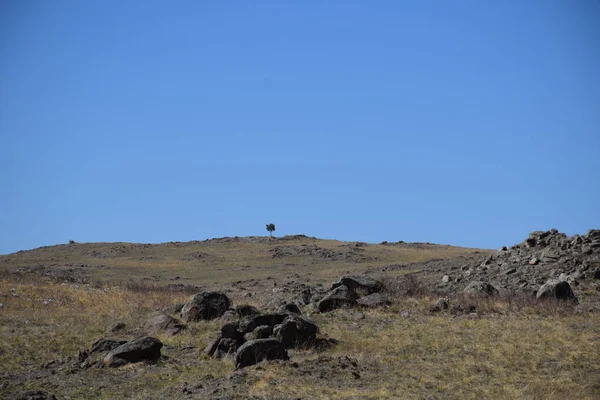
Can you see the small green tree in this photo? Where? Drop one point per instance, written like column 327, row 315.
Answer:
column 271, row 229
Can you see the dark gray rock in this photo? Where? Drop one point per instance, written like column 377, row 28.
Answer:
column 373, row 300
column 339, row 297
column 478, row 288
column 289, row 308
column 260, row 332
column 163, row 323
column 205, row 306
column 363, row 284
column 296, row 331
column 104, row 345
column 251, row 323
column 145, row 348
column 255, row 351
column 246, row 310
column 232, row 331
column 556, row 289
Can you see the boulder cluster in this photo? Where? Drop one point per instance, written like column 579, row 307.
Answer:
column 351, row 291
column 547, row 264
column 251, row 336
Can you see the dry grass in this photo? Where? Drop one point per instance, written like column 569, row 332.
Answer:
column 515, row 350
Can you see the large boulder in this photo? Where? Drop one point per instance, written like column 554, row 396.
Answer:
column 296, row 331
column 163, row 323
column 479, row 288
column 205, row 306
column 373, row 300
column 339, row 297
column 363, row 284
column 145, row 348
column 258, row 350
column 556, row 289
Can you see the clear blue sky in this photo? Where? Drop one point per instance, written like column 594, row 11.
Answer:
column 463, row 122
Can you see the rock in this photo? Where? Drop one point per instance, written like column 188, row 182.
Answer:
column 339, row 297
column 445, row 279
column 296, row 331
column 534, row 261
column 373, row 300
column 229, row 316
column 231, row 331
column 226, row 347
column 246, row 310
column 260, row 332
column 119, row 326
column 145, row 348
column 205, row 306
column 255, row 351
column 35, row 395
column 481, row 288
column 363, row 284
column 289, row 308
column 440, row 304
column 104, row 345
column 251, row 323
column 163, row 323
column 556, row 289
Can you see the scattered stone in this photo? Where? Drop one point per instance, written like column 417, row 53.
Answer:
column 255, row 351
column 205, row 306
column 145, row 348
column 556, row 289
column 104, row 345
column 163, row 323
column 445, row 279
column 373, row 300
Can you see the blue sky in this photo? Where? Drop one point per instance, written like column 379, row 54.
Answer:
column 463, row 122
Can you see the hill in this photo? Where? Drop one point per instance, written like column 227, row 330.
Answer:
column 62, row 308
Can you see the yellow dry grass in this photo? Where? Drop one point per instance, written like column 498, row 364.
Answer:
column 510, row 352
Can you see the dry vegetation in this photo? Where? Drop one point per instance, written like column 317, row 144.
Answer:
column 513, row 349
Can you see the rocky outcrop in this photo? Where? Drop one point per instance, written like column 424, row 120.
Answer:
column 142, row 349
column 205, row 306
column 340, row 296
column 527, row 266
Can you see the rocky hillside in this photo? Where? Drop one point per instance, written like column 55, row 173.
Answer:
column 527, row 266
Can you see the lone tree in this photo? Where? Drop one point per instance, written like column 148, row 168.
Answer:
column 271, row 229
